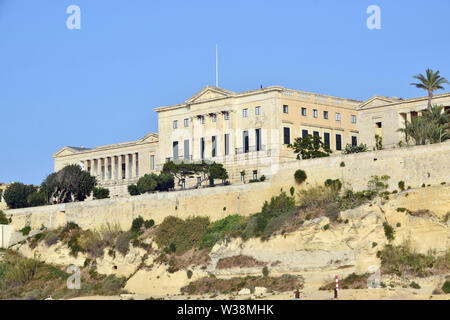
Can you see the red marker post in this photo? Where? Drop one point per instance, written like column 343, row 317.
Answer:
column 336, row 290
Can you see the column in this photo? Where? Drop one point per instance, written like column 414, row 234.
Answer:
column 127, row 166
column 113, row 168
column 133, row 165
column 106, row 169
column 119, row 168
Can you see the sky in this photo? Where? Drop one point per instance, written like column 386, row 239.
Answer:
column 99, row 84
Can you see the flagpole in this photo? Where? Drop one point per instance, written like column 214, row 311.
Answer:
column 217, row 65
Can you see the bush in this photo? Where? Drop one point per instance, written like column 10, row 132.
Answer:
column 263, row 178
column 26, row 230
column 184, row 234
column 355, row 149
column 149, row 223
column 230, row 226
column 133, row 190
column 16, row 195
column 123, row 242
column 113, row 285
column 401, row 185
column 147, row 183
column 300, row 176
column 101, row 193
column 36, row 199
column 189, row 274
column 292, row 191
column 335, row 184
column 446, row 287
column 342, row 165
column 414, row 285
column 137, row 224
column 265, row 271
column 389, row 232
column 3, row 218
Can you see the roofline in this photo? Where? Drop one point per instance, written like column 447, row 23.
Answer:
column 424, row 98
column 244, row 94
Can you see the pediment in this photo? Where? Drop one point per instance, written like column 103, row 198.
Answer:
column 376, row 101
column 67, row 151
column 151, row 137
column 210, row 93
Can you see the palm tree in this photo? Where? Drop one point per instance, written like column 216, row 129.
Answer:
column 432, row 82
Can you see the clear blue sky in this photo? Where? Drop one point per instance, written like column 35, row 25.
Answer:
column 99, row 85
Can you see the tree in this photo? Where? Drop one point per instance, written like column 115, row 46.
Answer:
column 432, row 82
column 207, row 171
column 101, row 193
column 147, row 183
column 37, row 199
column 133, row 190
column 69, row 184
column 355, row 149
column 16, row 195
column 165, row 181
column 310, row 147
column 432, row 127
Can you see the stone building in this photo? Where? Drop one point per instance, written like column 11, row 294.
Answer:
column 383, row 116
column 248, row 132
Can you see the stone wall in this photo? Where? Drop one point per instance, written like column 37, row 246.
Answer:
column 414, row 165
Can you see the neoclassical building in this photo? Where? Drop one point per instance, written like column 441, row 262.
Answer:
column 248, row 132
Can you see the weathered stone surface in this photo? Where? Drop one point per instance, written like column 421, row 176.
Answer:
column 119, row 265
column 244, row 291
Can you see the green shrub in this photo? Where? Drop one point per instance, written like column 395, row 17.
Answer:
column 263, row 178
column 445, row 218
column 36, row 199
column 137, row 224
column 100, row 193
column 292, row 191
column 389, row 232
column 26, row 230
column 401, row 185
column 189, row 274
column 3, row 218
column 446, row 287
column 355, row 149
column 184, row 234
column 147, row 183
column 374, row 244
column 231, row 226
column 265, row 271
column 149, row 223
column 326, row 227
column 300, row 176
column 342, row 164
column 414, row 285
column 336, row 184
column 133, row 190
column 16, row 195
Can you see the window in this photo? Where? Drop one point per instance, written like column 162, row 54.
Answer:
column 325, row 114
column 353, row 118
column 202, row 119
column 258, row 139
column 338, row 116
column 213, row 150
column 285, row 108
column 287, row 135
column 245, row 141
column 316, row 134
column 202, row 147
column 175, row 124
column 304, row 112
column 227, row 144
column 175, row 150
column 214, row 117
column 226, row 115
column 186, row 150
column 354, row 141
column 258, row 111
column 152, row 162
column 326, row 139
column 244, row 113
column 315, row 113
column 243, row 176
column 255, row 174
column 186, row 122
column 304, row 133
column 379, row 125
column 338, row 142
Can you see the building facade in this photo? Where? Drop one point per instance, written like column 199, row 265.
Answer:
column 248, row 132
column 383, row 116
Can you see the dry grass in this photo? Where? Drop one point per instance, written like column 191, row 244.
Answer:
column 352, row 281
column 240, row 261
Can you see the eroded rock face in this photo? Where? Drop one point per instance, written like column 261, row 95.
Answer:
column 58, row 254
column 118, row 264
